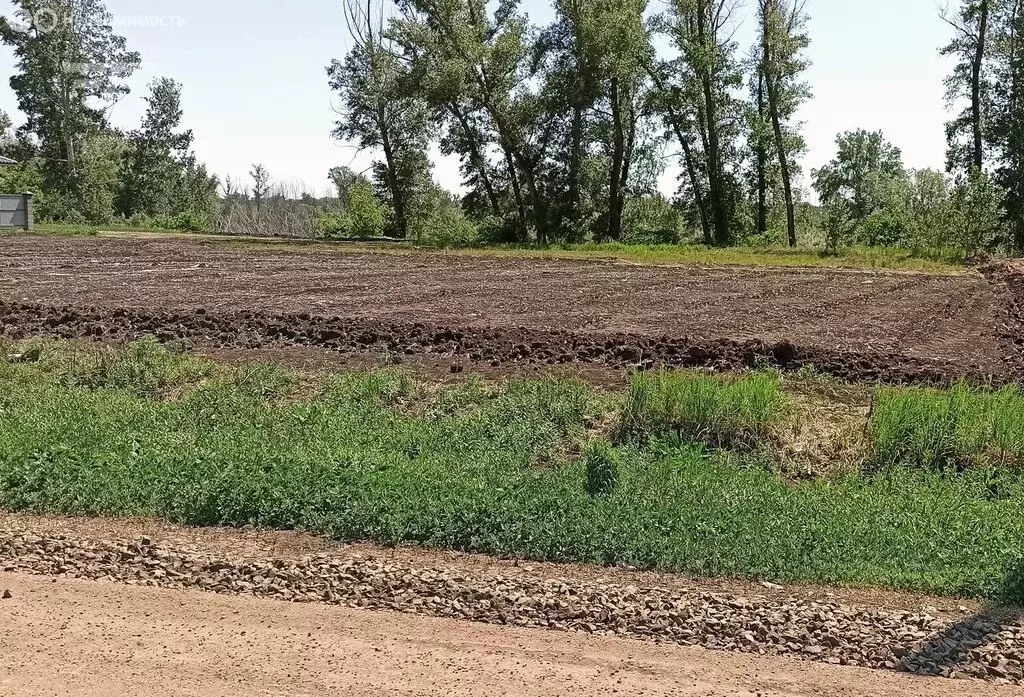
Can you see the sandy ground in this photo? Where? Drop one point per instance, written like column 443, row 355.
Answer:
column 86, row 639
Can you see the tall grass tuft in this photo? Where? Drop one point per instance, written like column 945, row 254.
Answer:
column 955, row 429
column 602, row 464
column 719, row 411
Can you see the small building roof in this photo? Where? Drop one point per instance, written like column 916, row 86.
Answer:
column 7, row 161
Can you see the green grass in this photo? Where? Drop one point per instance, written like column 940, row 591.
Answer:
column 720, row 411
column 853, row 258
column 493, row 469
column 959, row 428
column 88, row 230
column 883, row 258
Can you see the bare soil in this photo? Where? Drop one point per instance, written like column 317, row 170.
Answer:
column 429, row 307
column 254, row 543
column 84, row 639
column 64, row 636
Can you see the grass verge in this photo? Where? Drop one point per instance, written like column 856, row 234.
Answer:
column 853, row 258
column 522, row 469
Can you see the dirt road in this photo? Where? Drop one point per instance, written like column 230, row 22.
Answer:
column 87, row 639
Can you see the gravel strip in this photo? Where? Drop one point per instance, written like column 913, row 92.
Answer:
column 980, row 647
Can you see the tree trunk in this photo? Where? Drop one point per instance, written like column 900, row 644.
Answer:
column 517, row 193
column 1016, row 129
column 716, row 175
column 716, row 179
column 575, row 160
column 787, row 182
column 698, row 195
column 976, row 73
column 477, row 160
column 771, row 79
column 695, row 184
column 688, row 161
column 615, row 203
column 762, row 162
column 397, row 195
column 526, row 168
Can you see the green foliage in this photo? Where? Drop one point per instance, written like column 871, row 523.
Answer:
column 440, row 222
column 976, row 215
column 870, row 199
column 650, row 220
column 366, row 214
column 957, row 429
column 362, row 214
column 97, row 181
column 26, row 177
column 602, row 463
column 692, row 408
column 65, row 79
column 859, row 172
column 1012, row 590
column 379, row 114
column 155, row 177
column 332, row 224
column 838, row 226
column 189, row 221
column 376, row 457
column 144, row 368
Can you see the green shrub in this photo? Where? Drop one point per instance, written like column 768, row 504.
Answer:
column 955, row 429
column 366, row 213
column 721, row 411
column 333, row 224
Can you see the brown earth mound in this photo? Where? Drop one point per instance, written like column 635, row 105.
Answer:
column 494, row 346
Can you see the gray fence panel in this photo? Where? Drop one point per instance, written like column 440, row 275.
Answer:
column 16, row 211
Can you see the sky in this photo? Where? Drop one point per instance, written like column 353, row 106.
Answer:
column 255, row 84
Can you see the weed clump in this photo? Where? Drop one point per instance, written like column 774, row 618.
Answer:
column 957, row 429
column 718, row 411
column 602, row 465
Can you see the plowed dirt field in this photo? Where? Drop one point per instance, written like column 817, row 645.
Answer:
column 494, row 311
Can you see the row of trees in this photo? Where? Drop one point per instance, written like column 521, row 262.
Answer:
column 562, row 131
column 69, row 73
column 870, row 198
column 986, row 138
column 557, row 127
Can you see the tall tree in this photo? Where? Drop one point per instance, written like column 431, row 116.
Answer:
column 865, row 159
column 1005, row 132
column 707, row 73
column 260, row 184
column 380, row 112
column 158, row 154
column 490, row 50
column 783, row 40
column 969, row 81
column 69, row 71
column 760, row 138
